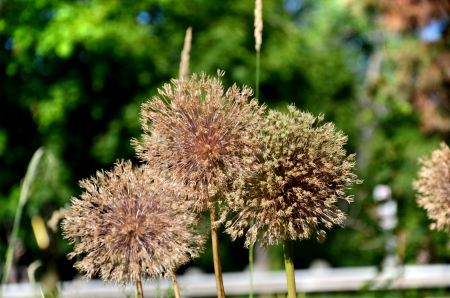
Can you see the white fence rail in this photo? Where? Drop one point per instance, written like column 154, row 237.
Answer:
column 311, row 280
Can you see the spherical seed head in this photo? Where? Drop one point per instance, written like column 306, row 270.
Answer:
column 298, row 173
column 194, row 133
column 127, row 227
column 433, row 187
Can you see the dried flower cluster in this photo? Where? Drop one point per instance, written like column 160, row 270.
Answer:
column 433, row 187
column 129, row 226
column 195, row 133
column 297, row 174
column 201, row 145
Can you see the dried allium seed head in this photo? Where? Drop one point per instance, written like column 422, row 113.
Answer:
column 433, row 187
column 297, row 175
column 194, row 133
column 129, row 227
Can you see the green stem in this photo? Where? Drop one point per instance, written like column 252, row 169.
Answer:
column 29, row 176
column 257, row 74
column 250, row 251
column 250, row 266
column 158, row 288
column 289, row 267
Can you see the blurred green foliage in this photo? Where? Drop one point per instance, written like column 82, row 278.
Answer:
column 74, row 74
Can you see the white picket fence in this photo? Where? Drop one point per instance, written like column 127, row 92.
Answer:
column 310, row 280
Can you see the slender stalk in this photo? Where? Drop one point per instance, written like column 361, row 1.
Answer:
column 176, row 289
column 158, row 288
column 250, row 266
column 289, row 267
column 258, row 39
column 258, row 42
column 216, row 258
column 30, row 272
column 257, row 74
column 31, row 172
column 140, row 292
column 185, row 54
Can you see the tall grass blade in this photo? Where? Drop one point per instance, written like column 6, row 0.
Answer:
column 29, row 176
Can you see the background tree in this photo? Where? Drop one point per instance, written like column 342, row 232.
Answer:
column 403, row 110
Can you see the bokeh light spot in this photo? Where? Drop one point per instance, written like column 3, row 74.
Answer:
column 433, row 31
column 9, row 44
column 144, row 18
column 293, row 6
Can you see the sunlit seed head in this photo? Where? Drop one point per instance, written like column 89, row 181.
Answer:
column 128, row 227
column 288, row 193
column 433, row 187
column 202, row 132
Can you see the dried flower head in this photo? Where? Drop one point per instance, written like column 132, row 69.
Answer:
column 433, row 187
column 298, row 172
column 194, row 133
column 129, row 227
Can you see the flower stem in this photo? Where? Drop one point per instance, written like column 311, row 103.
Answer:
column 289, row 267
column 257, row 74
column 158, row 289
column 250, row 266
column 140, row 292
column 216, row 258
column 257, row 46
column 176, row 289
